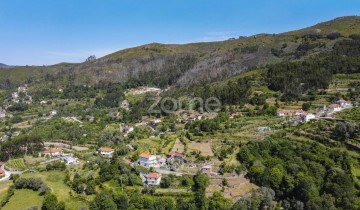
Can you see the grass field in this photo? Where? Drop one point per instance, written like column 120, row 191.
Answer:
column 16, row 164
column 203, row 147
column 4, row 186
column 178, row 146
column 23, row 200
column 54, row 179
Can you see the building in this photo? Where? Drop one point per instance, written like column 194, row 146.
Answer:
column 53, row 113
column 147, row 160
column 151, row 178
column 128, row 130
column 206, row 170
column 284, row 113
column 106, row 151
column 344, row 104
column 175, row 156
column 43, row 102
column 308, row 116
column 334, row 108
column 70, row 160
column 53, row 152
column 299, row 112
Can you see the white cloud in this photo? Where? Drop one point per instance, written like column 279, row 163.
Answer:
column 219, row 36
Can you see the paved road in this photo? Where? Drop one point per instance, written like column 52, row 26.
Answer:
column 165, row 171
column 8, row 174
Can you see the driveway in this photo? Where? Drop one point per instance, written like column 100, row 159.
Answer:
column 8, row 174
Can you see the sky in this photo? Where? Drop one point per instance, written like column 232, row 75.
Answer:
column 44, row 32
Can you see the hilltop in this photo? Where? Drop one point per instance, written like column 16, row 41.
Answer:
column 181, row 65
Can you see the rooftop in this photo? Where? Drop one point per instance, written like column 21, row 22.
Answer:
column 105, row 149
column 153, row 175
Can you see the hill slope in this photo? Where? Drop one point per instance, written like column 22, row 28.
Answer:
column 194, row 63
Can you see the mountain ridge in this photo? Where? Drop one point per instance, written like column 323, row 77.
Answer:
column 181, row 65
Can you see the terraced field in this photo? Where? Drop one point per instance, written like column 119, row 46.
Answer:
column 16, row 164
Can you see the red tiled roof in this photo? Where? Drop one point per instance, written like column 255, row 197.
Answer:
column 2, row 172
column 153, row 175
column 145, row 155
column 176, row 154
column 334, row 106
column 105, row 149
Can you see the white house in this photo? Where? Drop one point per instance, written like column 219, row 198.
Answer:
column 106, row 151
column 151, row 178
column 43, row 102
column 344, row 104
column 308, row 117
column 53, row 152
column 70, row 160
column 148, row 160
column 53, row 113
column 128, row 130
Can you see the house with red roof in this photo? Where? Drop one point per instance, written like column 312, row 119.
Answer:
column 2, row 173
column 152, row 178
column 284, row 113
column 106, row 151
column 175, row 156
column 53, row 152
column 147, row 160
column 344, row 104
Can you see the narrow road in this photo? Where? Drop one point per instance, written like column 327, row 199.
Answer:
column 8, row 174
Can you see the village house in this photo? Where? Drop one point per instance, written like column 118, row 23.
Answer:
column 152, row 178
column 284, row 113
column 70, row 160
column 43, row 102
column 334, row 108
column 299, row 112
column 206, row 169
column 53, row 152
column 147, row 160
column 344, row 104
column 308, row 116
column 53, row 113
column 175, row 156
column 106, row 151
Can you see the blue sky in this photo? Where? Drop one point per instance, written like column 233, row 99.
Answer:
column 37, row 32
